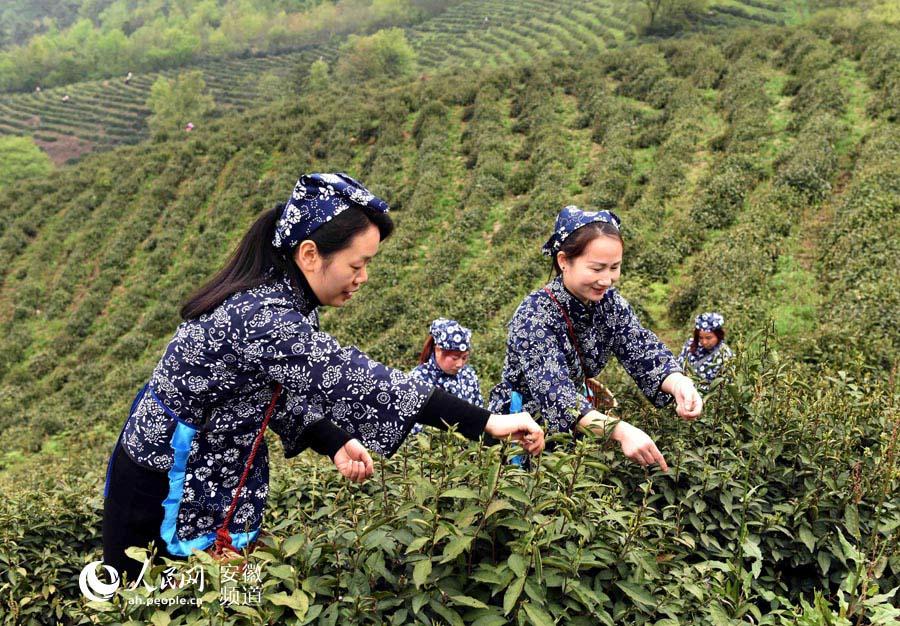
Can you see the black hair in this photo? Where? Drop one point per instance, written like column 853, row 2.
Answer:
column 252, row 261
column 575, row 243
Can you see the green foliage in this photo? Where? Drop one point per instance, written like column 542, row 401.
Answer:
column 150, row 35
column 384, row 55
column 736, row 194
column 317, row 79
column 20, row 158
column 664, row 17
column 21, row 19
column 175, row 103
column 751, row 516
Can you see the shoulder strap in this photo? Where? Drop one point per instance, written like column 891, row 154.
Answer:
column 223, row 537
column 571, row 329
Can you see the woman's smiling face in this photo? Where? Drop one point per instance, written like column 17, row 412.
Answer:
column 589, row 275
column 336, row 279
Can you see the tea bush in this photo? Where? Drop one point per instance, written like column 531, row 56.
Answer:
column 782, row 500
column 751, row 519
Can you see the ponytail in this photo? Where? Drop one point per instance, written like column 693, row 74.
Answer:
column 247, row 267
column 427, row 350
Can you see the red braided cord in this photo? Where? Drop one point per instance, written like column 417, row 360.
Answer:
column 571, row 328
column 223, row 537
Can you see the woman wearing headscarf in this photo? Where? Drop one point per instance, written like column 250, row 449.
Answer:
column 444, row 362
column 706, row 353
column 565, row 333
column 190, row 468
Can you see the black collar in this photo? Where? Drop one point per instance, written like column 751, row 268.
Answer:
column 304, row 298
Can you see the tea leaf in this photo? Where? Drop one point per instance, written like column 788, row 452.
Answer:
column 455, row 547
column 851, row 520
column 512, row 594
column 807, row 537
column 460, row 492
column 419, row 601
column 421, row 572
column 517, row 564
column 497, row 505
column 453, row 618
column 292, row 544
column 637, row 593
column 537, row 615
column 751, row 548
column 297, row 601
column 417, row 544
column 469, row 601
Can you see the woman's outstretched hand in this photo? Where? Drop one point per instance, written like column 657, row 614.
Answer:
column 637, row 446
column 688, row 403
column 353, row 461
column 520, row 427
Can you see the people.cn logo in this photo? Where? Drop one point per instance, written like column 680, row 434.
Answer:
column 95, row 589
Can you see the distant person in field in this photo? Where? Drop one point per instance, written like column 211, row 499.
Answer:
column 128, row 78
column 188, row 127
column 706, row 353
column 563, row 334
column 444, row 362
column 190, row 470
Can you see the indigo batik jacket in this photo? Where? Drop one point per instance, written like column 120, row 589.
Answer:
column 543, row 366
column 199, row 414
column 705, row 364
column 464, row 385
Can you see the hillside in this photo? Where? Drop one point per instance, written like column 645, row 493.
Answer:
column 104, row 113
column 757, row 172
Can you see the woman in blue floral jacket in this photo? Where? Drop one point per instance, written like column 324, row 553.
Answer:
column 706, row 353
column 567, row 331
column 444, row 362
column 251, row 339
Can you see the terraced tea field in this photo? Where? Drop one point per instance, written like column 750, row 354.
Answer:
column 103, row 113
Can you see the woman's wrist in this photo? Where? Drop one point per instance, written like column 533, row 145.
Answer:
column 601, row 424
column 671, row 382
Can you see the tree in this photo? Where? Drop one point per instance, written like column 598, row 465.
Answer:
column 386, row 54
column 21, row 158
column 666, row 14
column 175, row 103
column 318, row 75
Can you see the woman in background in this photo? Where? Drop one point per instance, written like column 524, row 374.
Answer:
column 706, row 353
column 444, row 362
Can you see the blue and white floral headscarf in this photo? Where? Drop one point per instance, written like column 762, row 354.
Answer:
column 709, row 321
column 451, row 335
column 317, row 199
column 570, row 219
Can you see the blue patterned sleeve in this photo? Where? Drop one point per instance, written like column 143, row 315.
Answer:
column 646, row 359
column 479, row 397
column 685, row 351
column 418, row 373
column 540, row 347
column 324, row 380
